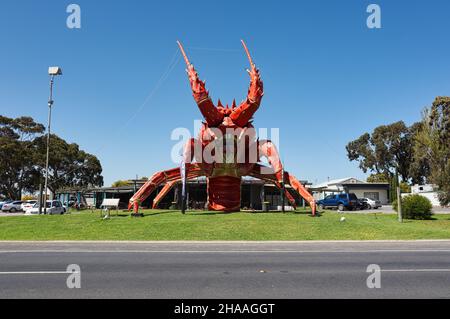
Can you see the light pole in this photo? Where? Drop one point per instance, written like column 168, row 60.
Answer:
column 399, row 197
column 52, row 71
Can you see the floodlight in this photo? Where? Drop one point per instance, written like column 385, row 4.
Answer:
column 54, row 70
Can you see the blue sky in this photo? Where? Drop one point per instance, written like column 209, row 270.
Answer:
column 328, row 78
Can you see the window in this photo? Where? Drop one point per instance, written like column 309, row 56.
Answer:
column 372, row 195
column 343, row 196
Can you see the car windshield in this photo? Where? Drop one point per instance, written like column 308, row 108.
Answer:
column 352, row 196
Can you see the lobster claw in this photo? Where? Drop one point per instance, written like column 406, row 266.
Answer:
column 189, row 65
column 252, row 65
column 201, row 95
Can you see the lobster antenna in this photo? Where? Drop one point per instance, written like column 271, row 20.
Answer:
column 184, row 54
column 248, row 53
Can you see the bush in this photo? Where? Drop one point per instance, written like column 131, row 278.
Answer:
column 415, row 207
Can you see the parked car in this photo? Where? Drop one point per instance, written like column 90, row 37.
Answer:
column 371, row 203
column 362, row 204
column 28, row 204
column 342, row 202
column 53, row 207
column 12, row 207
column 5, row 202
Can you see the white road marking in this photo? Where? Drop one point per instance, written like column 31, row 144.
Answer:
column 36, row 272
column 415, row 270
column 225, row 251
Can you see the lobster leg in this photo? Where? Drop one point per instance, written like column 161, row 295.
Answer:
column 169, row 185
column 157, row 179
column 271, row 178
column 294, row 182
column 166, row 189
column 268, row 149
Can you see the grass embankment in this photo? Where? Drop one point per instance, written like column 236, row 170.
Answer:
column 172, row 225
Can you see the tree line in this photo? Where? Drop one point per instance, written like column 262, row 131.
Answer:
column 23, row 154
column 419, row 153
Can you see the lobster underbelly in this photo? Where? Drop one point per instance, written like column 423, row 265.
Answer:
column 224, row 193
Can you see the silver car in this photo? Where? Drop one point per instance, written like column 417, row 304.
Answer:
column 372, row 203
column 12, row 207
column 54, row 207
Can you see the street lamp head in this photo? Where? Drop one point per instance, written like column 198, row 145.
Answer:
column 54, row 70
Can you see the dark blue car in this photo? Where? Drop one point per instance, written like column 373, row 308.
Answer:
column 339, row 201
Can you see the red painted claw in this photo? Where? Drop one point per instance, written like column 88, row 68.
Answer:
column 184, row 54
column 252, row 65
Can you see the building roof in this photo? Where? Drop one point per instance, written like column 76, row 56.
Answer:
column 335, row 184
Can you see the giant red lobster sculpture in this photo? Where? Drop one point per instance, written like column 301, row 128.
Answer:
column 224, row 126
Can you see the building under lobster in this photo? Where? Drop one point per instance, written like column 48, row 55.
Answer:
column 255, row 195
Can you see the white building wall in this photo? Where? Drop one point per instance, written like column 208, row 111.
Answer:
column 382, row 194
column 432, row 196
column 427, row 191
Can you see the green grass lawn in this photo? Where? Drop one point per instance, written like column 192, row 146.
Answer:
column 172, row 225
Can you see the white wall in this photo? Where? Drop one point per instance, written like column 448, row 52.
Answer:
column 382, row 194
column 432, row 196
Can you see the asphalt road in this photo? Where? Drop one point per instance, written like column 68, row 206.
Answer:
column 226, row 270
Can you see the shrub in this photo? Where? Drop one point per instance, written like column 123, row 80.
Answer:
column 415, row 207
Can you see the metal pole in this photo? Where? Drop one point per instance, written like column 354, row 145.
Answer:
column 283, row 190
column 263, row 198
column 50, row 104
column 183, row 187
column 399, row 200
column 40, row 196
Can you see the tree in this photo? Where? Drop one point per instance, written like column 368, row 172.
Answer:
column 362, row 151
column 22, row 160
column 17, row 172
column 120, row 183
column 432, row 147
column 378, row 178
column 69, row 167
column 388, row 151
column 392, row 146
column 405, row 188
